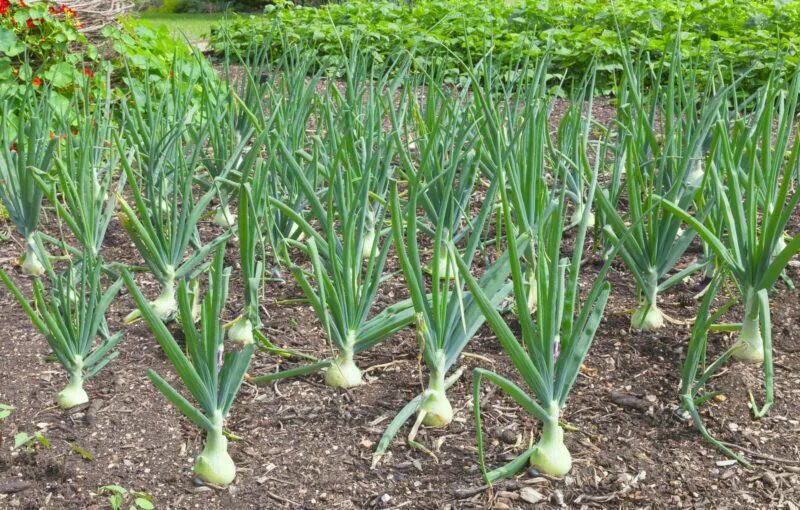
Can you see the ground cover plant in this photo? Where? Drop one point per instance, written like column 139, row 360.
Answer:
column 575, row 34
column 333, row 251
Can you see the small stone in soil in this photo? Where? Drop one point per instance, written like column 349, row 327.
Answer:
column 531, row 495
column 507, row 436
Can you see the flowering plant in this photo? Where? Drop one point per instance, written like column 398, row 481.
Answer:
column 37, row 47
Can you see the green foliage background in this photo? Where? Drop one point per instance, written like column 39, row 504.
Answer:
column 744, row 33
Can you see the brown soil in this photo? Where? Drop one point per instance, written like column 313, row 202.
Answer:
column 305, row 445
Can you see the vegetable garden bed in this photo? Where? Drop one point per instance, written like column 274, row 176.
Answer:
column 308, row 446
column 268, row 283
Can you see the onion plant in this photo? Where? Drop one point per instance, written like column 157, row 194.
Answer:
column 230, row 131
column 697, row 371
column 153, row 124
column 347, row 257
column 291, row 97
column 554, row 342
column 665, row 161
column 774, row 106
column 252, row 209
column 753, row 187
column 162, row 223
column 439, row 143
column 70, row 316
column 448, row 318
column 27, row 146
column 355, row 143
column 83, row 186
column 210, row 374
column 571, row 140
column 514, row 139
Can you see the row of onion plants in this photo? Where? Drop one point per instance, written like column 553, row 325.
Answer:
column 466, row 186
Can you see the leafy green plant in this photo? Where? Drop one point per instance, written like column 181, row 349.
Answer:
column 210, row 374
column 70, row 316
column 31, row 442
column 38, row 43
column 746, row 33
column 5, row 411
column 145, row 55
column 118, row 495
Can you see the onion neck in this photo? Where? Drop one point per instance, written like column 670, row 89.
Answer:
column 196, row 306
column 165, row 306
column 532, row 290
column 224, row 217
column 695, row 177
column 648, row 316
column 750, row 346
column 31, row 264
column 550, row 455
column 241, row 332
column 780, row 244
column 445, row 268
column 369, row 242
column 343, row 372
column 437, row 407
column 577, row 216
column 214, row 465
column 73, row 393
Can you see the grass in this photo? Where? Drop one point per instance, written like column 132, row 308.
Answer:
column 196, row 27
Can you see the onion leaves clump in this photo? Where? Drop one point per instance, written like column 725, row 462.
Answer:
column 71, row 316
column 554, row 342
column 210, row 373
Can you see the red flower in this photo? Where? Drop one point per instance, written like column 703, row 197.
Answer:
column 89, row 73
column 37, row 82
column 5, row 5
column 31, row 23
column 61, row 9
